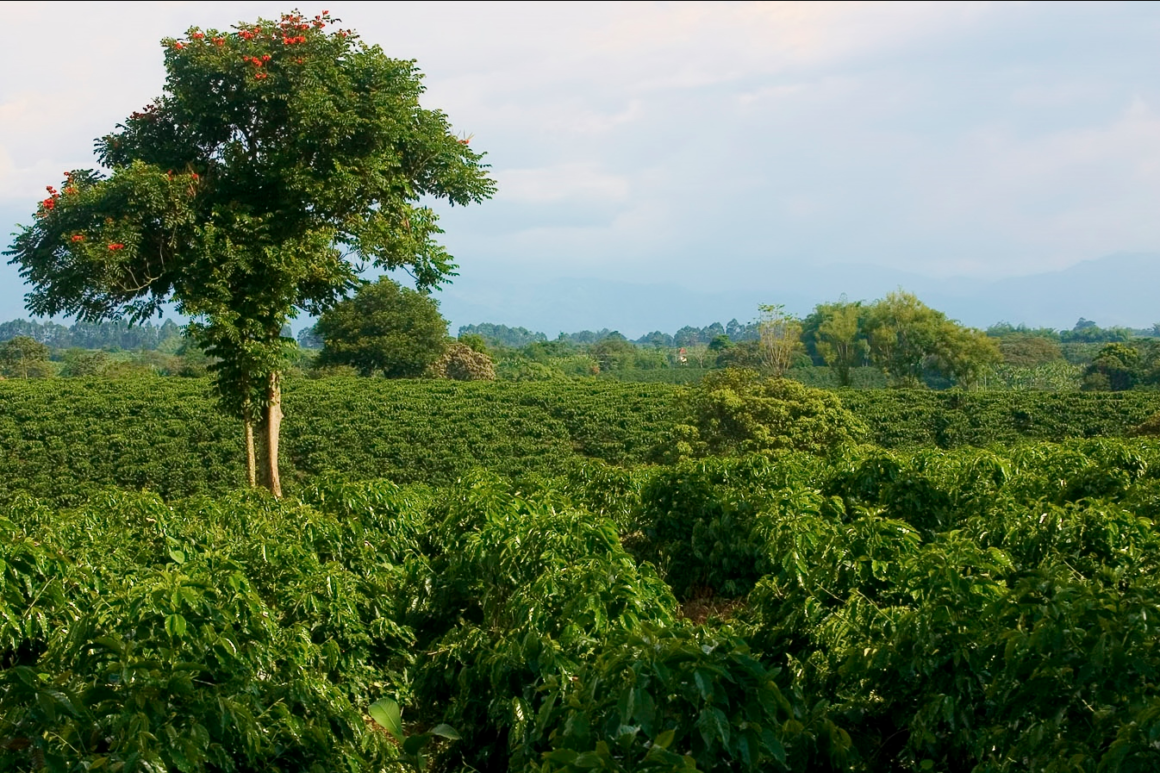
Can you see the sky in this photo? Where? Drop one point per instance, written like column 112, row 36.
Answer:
column 704, row 146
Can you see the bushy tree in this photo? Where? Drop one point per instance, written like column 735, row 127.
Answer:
column 1117, row 368
column 459, row 362
column 24, row 357
column 737, row 411
column 385, row 328
column 277, row 152
column 780, row 338
column 1028, row 350
column 838, row 338
column 908, row 338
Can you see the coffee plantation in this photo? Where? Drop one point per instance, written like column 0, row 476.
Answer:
column 871, row 610
column 64, row 439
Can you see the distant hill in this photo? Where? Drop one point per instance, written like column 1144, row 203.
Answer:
column 1121, row 289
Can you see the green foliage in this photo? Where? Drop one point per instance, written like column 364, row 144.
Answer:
column 967, row 610
column 198, row 637
column 697, row 521
column 1028, row 350
column 677, row 700
column 384, row 328
column 1119, row 367
column 502, row 335
column 838, row 338
column 907, row 338
column 24, row 357
column 736, row 411
column 276, row 153
column 164, row 435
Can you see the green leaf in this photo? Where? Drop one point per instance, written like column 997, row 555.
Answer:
column 178, row 556
column 175, row 626
column 385, row 712
column 665, row 739
column 446, row 731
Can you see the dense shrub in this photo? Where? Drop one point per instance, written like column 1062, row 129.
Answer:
column 737, row 411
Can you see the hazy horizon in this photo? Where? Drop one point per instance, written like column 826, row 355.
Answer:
column 724, row 149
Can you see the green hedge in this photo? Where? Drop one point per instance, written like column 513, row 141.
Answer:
column 62, row 438
column 902, row 418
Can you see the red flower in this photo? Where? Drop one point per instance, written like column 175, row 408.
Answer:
column 198, row 35
column 50, row 189
column 78, row 238
column 48, row 203
column 325, row 12
column 219, row 41
column 116, row 246
column 246, row 34
column 300, row 60
column 70, row 190
column 260, row 76
column 266, row 58
column 179, row 46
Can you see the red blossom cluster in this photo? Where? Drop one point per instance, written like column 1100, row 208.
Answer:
column 261, row 76
column 246, row 35
column 194, row 176
column 293, row 40
column 78, row 237
column 219, row 41
column 179, row 45
column 116, row 246
column 50, row 203
column 198, row 35
column 149, row 110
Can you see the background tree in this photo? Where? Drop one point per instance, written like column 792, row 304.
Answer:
column 908, row 338
column 839, row 340
column 459, row 362
column 276, row 154
column 384, row 328
column 737, row 411
column 614, row 352
column 1029, row 351
column 24, row 357
column 780, row 338
column 1117, row 368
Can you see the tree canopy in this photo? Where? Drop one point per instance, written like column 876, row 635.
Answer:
column 278, row 154
column 385, row 328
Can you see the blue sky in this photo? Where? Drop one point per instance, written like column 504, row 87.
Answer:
column 701, row 145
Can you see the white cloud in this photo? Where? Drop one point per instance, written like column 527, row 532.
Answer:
column 581, row 182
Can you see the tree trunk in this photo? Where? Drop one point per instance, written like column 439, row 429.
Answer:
column 251, row 453
column 273, row 429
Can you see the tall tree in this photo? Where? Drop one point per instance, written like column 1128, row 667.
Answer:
column 780, row 338
column 278, row 155
column 24, row 357
column 907, row 338
column 384, row 328
column 838, row 337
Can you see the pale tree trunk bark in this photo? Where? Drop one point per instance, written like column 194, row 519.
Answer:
column 273, row 429
column 251, row 453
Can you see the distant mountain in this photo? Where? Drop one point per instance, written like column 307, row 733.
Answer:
column 1122, row 289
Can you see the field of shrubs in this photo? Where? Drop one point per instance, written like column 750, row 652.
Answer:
column 63, row 439
column 572, row 605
